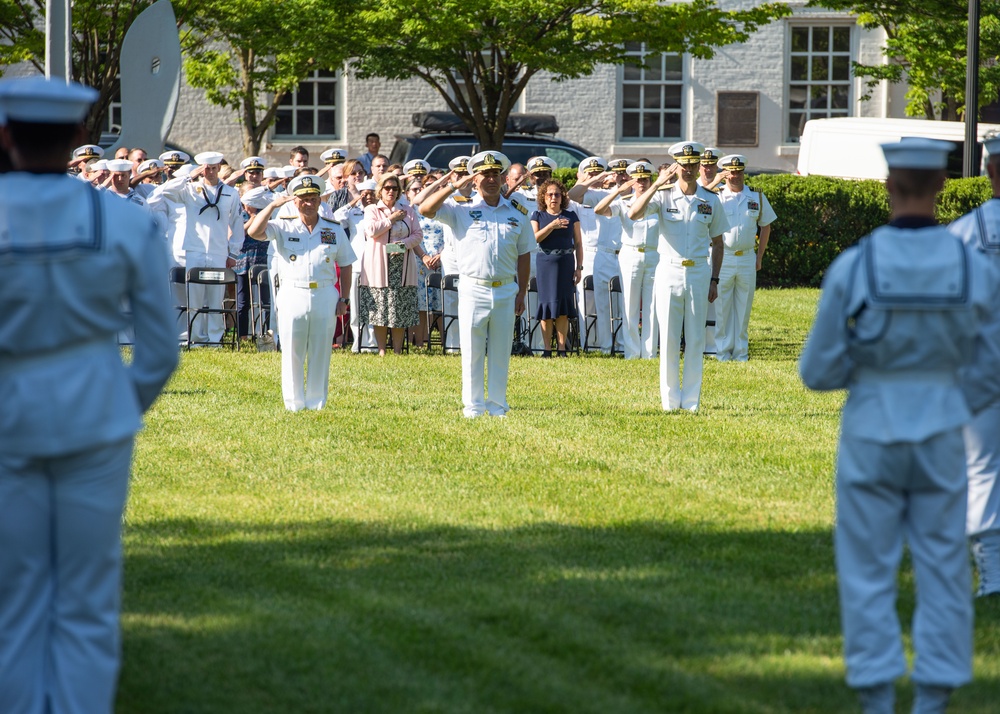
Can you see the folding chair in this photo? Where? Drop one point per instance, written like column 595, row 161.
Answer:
column 449, row 313
column 260, row 300
column 433, row 286
column 534, row 324
column 589, row 316
column 178, row 279
column 212, row 276
column 617, row 309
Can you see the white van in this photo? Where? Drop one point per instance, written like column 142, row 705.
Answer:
column 848, row 147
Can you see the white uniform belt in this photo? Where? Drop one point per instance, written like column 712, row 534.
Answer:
column 872, row 375
column 309, row 284
column 486, row 283
column 741, row 251
column 607, row 250
column 640, row 248
column 687, row 262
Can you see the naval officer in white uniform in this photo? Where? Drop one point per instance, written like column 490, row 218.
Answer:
column 307, row 251
column 901, row 315
column 981, row 230
column 493, row 244
column 69, row 256
column 747, row 211
column 691, row 223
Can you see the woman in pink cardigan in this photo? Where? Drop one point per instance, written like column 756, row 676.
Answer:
column 388, row 282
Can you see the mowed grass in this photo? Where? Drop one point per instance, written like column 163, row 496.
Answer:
column 590, row 553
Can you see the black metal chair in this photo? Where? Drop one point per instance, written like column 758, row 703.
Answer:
column 589, row 316
column 212, row 276
column 617, row 310
column 435, row 318
column 260, row 308
column 449, row 298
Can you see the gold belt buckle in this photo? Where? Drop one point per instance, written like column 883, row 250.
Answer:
column 313, row 284
column 687, row 263
column 738, row 252
column 640, row 249
column 496, row 283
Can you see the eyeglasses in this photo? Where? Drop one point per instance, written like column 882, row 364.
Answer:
column 553, row 195
column 390, row 188
column 358, row 173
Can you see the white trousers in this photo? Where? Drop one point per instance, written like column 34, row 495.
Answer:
column 982, row 454
column 60, row 579
column 206, row 328
column 888, row 493
column 682, row 303
column 737, row 281
column 486, row 318
column 638, row 271
column 306, row 322
column 605, row 267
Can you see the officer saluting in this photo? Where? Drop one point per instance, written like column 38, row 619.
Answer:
column 493, row 243
column 69, row 256
column 897, row 326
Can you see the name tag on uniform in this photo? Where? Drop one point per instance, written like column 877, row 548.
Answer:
column 328, row 236
column 293, row 239
column 672, row 210
column 704, row 209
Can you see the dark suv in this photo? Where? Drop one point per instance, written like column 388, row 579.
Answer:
column 442, row 136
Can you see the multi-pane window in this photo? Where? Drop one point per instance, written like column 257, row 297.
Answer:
column 819, row 75
column 311, row 110
column 651, row 95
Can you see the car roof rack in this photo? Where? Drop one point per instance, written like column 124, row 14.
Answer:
column 443, row 122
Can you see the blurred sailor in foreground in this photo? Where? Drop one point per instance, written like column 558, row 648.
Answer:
column 69, row 256
column 980, row 229
column 900, row 325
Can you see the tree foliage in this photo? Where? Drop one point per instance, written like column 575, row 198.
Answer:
column 479, row 55
column 926, row 47
column 99, row 27
column 248, row 54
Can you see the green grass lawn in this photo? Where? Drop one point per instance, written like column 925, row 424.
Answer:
column 590, row 553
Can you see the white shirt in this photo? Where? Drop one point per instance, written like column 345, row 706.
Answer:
column 687, row 223
column 305, row 256
column 216, row 230
column 745, row 210
column 488, row 239
column 639, row 233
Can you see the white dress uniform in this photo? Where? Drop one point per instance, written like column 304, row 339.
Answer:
column 980, row 230
column 637, row 261
column 213, row 231
column 488, row 242
column 602, row 240
column 69, row 256
column 686, row 227
column 899, row 316
column 745, row 211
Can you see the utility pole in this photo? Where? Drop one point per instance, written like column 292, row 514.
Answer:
column 970, row 167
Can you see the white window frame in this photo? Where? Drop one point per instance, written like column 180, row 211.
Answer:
column 852, row 53
column 682, row 111
column 313, row 79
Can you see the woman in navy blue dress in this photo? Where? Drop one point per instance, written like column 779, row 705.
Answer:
column 559, row 263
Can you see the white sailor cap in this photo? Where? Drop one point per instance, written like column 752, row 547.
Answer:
column 541, row 164
column 149, row 165
column 258, row 198
column 460, row 164
column 88, row 151
column 119, row 165
column 273, row 172
column 366, row 185
column 183, row 170
column 287, row 171
column 99, row 165
column 686, row 152
column 416, row 167
column 917, row 153
column 306, row 185
column 334, row 156
column 992, row 144
column 619, row 166
column 733, row 162
column 175, row 158
column 593, row 165
column 40, row 100
column 710, row 155
column 488, row 161
column 640, row 169
column 252, row 163
column 208, row 158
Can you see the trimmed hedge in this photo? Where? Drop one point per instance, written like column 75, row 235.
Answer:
column 818, row 217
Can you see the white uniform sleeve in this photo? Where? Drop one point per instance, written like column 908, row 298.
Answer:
column 767, row 214
column 825, row 364
column 719, row 224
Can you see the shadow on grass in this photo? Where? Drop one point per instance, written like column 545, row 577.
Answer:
column 338, row 616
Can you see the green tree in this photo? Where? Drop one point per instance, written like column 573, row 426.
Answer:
column 479, row 55
column 99, row 26
column 248, row 54
column 926, row 46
